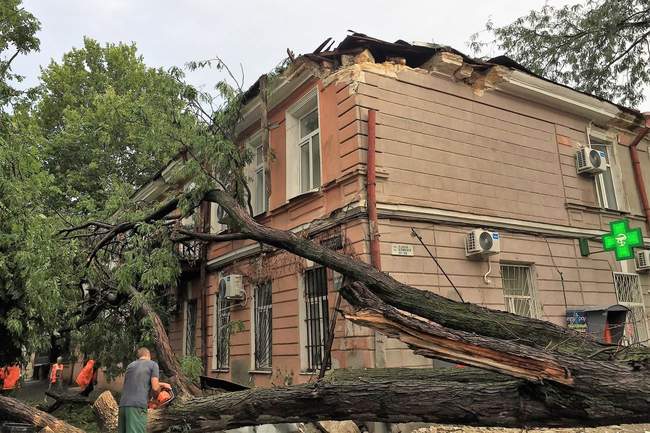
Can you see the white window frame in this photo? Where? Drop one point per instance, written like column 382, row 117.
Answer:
column 619, row 194
column 306, row 140
column 295, row 141
column 255, row 168
column 532, row 297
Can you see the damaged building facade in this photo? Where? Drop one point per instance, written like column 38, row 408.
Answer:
column 393, row 152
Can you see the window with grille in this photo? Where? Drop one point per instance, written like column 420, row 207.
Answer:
column 316, row 316
column 222, row 333
column 630, row 295
column 519, row 291
column 263, row 315
column 190, row 327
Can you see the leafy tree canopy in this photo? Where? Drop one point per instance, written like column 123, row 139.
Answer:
column 105, row 120
column 601, row 47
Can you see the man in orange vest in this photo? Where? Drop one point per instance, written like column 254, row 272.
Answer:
column 56, row 375
column 87, row 378
column 11, row 377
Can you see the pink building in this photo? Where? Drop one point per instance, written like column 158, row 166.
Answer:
column 479, row 158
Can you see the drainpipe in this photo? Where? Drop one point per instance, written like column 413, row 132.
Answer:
column 636, row 165
column 205, row 228
column 371, row 204
column 375, row 257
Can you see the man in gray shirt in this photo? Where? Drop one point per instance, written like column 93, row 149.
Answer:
column 140, row 379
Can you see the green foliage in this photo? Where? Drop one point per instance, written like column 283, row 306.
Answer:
column 599, row 46
column 192, row 366
column 17, row 36
column 105, row 119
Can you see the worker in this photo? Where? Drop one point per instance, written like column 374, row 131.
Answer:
column 87, row 377
column 56, row 375
column 11, row 377
column 140, row 379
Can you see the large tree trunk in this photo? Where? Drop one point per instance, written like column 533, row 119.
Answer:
column 454, row 396
column 165, row 354
column 15, row 410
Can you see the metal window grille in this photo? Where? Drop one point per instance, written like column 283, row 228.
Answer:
column 519, row 291
column 630, row 295
column 263, row 326
column 190, row 328
column 316, row 316
column 222, row 334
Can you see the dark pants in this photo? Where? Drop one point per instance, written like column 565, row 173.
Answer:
column 132, row 420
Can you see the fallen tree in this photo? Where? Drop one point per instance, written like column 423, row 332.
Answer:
column 542, row 374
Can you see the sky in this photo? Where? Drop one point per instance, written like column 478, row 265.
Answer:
column 252, row 33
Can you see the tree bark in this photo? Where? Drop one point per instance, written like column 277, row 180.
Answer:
column 447, row 396
column 106, row 411
column 15, row 410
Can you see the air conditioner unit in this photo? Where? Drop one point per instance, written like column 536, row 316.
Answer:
column 643, row 260
column 590, row 161
column 481, row 242
column 233, row 287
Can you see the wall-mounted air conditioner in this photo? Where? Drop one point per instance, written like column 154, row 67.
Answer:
column 481, row 242
column 233, row 286
column 590, row 161
column 643, row 260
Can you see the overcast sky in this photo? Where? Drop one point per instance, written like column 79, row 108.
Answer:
column 254, row 33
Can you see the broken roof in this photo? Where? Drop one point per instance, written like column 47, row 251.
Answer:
column 415, row 55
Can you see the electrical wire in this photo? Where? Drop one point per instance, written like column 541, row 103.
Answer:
column 416, row 234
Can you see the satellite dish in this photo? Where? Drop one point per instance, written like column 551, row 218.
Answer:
column 485, row 240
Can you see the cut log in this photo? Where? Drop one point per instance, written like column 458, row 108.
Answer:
column 106, row 409
column 15, row 410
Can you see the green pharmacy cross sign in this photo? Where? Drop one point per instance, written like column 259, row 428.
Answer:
column 622, row 240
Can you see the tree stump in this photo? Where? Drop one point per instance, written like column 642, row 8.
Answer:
column 106, row 410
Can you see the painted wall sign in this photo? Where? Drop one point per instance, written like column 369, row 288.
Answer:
column 402, row 250
column 576, row 320
column 622, row 239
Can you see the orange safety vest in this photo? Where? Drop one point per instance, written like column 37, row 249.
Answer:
column 11, row 377
column 86, row 374
column 53, row 372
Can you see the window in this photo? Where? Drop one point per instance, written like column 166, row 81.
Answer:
column 309, row 151
column 190, row 327
column 303, row 146
column 316, row 317
column 630, row 295
column 605, row 188
column 263, row 326
column 259, row 197
column 519, row 291
column 222, row 333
